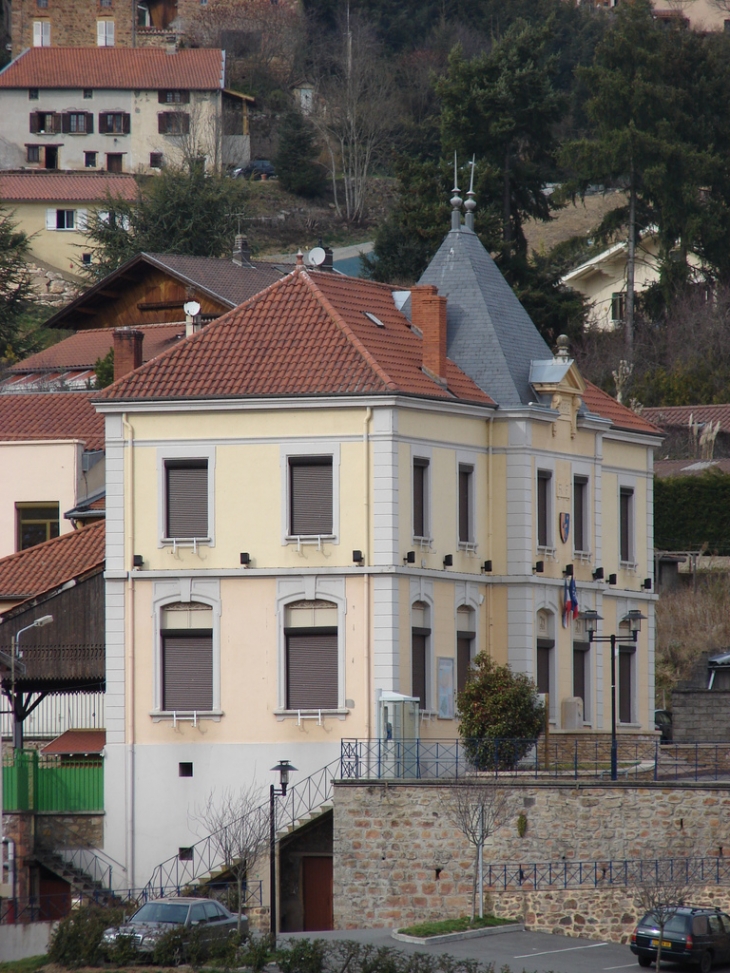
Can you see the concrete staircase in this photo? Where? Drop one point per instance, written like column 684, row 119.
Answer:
column 86, row 887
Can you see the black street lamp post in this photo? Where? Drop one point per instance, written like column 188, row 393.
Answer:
column 283, row 768
column 591, row 619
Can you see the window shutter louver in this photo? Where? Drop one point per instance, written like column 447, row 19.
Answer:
column 187, row 672
column 102, row 123
column 34, row 126
column 89, row 123
column 100, row 33
column 126, row 123
column 110, row 33
column 162, row 123
column 51, row 219
column 311, row 498
column 187, row 500
column 81, row 220
column 311, row 663
column 65, row 122
column 37, row 33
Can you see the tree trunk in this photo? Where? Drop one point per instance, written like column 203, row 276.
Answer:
column 239, row 884
column 630, row 268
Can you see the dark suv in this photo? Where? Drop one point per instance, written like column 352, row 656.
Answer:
column 697, row 936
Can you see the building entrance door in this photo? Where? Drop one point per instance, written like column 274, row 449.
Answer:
column 317, row 893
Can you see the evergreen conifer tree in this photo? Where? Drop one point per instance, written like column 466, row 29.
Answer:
column 296, row 156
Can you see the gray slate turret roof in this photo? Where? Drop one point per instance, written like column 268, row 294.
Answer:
column 490, row 335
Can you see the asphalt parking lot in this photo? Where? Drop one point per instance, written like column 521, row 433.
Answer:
column 531, row 952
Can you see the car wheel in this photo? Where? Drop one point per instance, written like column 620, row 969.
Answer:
column 644, row 961
column 706, row 962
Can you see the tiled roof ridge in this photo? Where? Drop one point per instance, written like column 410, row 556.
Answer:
column 346, row 330
column 31, row 553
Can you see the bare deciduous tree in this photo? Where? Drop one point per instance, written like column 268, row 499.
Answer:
column 237, row 824
column 477, row 810
column 354, row 113
column 661, row 889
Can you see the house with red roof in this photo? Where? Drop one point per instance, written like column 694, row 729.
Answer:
column 119, row 110
column 321, row 507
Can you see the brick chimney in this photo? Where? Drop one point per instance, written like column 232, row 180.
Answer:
column 127, row 351
column 241, row 251
column 428, row 314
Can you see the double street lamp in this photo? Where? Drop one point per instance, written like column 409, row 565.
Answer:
column 591, row 619
column 284, row 768
column 16, row 654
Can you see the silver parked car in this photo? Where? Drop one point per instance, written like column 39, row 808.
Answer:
column 150, row 923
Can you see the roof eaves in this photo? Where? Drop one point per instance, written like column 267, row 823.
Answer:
column 39, row 597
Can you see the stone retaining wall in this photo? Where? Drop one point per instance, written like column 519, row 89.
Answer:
column 399, row 858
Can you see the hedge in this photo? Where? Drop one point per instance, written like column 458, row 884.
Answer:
column 690, row 511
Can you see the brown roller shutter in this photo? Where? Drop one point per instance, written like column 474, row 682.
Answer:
column 187, row 672
column 464, row 485
column 463, row 659
column 311, row 670
column 418, row 667
column 187, row 499
column 544, row 650
column 310, row 496
column 89, row 123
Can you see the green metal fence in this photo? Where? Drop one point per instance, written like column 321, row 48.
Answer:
column 32, row 782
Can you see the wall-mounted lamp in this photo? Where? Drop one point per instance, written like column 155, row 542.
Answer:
column 568, row 570
column 357, row 557
column 137, row 561
column 448, row 560
column 245, row 558
column 647, row 584
column 410, row 558
column 539, row 567
column 613, row 579
column 598, row 574
column 487, row 567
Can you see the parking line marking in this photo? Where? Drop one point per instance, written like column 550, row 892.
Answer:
column 570, row 949
column 627, row 967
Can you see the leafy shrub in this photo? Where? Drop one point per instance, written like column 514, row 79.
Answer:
column 500, row 715
column 303, row 956
column 77, row 938
column 256, row 954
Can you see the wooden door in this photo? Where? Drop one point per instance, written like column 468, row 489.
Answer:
column 317, row 893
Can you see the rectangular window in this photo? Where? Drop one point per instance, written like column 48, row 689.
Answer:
column 310, row 496
column 626, row 526
column 65, row 219
column 35, row 523
column 44, row 122
column 173, row 97
column 88, row 92
column 42, row 4
column 580, row 510
column 618, row 308
column 105, row 33
column 420, row 498
column 187, row 671
column 625, row 685
column 77, row 123
column 544, row 508
column 185, row 769
column 173, row 123
column 187, row 499
column 90, row 160
column 311, row 669
column 155, row 160
column 580, row 674
column 41, row 33
column 114, row 123
column 33, row 153
column 544, row 664
column 466, row 530
column 33, row 94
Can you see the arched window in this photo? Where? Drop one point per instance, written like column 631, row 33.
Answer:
column 545, row 662
column 465, row 642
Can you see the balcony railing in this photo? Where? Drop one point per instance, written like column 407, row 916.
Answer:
column 32, row 782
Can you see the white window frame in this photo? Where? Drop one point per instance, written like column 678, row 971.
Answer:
column 164, row 455
column 467, row 460
column 52, row 220
column 311, row 588
column 583, row 471
column 549, row 468
column 41, row 33
column 625, row 484
column 425, row 454
column 105, row 33
column 184, row 593
column 293, row 450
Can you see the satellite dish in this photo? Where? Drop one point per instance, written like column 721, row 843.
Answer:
column 316, row 256
column 192, row 308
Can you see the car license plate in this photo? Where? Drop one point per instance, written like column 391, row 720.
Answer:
column 666, row 944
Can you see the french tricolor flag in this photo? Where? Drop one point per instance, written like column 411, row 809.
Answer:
column 570, row 602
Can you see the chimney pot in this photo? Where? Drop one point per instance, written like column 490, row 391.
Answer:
column 428, row 314
column 241, row 251
column 127, row 351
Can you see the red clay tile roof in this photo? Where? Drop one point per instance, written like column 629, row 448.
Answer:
column 37, row 569
column 600, row 402
column 77, row 741
column 307, row 334
column 51, row 415
column 82, row 349
column 689, row 467
column 199, row 69
column 678, row 415
column 65, row 187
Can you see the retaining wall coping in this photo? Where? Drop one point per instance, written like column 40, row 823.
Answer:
column 455, row 937
column 552, row 784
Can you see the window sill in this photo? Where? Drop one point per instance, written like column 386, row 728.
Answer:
column 628, row 565
column 468, row 547
column 193, row 542
column 310, row 714
column 583, row 555
column 546, row 551
column 310, row 540
column 185, row 716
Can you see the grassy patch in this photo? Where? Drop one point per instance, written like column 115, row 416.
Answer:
column 28, row 965
column 424, row 929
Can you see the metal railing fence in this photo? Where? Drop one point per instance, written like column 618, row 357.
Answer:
column 32, row 782
column 629, row 873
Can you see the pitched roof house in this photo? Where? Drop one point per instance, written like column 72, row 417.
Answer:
column 325, row 503
column 119, row 109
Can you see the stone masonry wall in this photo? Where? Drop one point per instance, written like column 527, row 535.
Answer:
column 73, row 22
column 700, row 715
column 399, row 858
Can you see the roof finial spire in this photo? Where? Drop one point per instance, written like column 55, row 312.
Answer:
column 471, row 204
column 456, row 200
